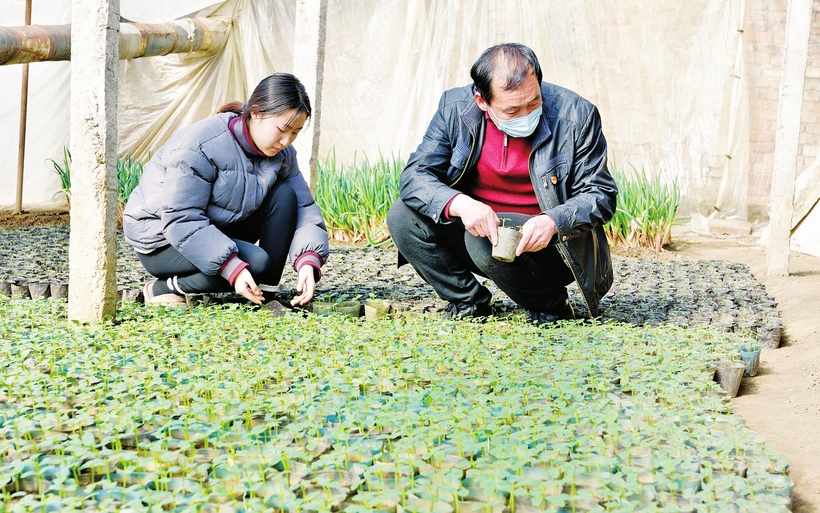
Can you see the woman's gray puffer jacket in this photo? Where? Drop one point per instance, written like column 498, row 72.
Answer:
column 202, row 179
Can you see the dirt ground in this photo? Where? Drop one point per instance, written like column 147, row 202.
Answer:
column 9, row 219
column 782, row 402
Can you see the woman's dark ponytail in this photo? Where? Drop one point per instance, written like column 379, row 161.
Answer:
column 235, row 107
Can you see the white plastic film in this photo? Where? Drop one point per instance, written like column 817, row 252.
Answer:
column 667, row 77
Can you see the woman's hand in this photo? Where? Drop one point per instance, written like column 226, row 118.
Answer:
column 246, row 287
column 305, row 286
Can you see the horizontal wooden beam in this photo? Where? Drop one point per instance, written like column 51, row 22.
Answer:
column 39, row 43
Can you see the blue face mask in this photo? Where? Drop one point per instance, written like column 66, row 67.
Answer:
column 519, row 127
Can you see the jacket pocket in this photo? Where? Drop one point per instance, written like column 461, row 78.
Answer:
column 557, row 166
column 460, row 155
column 552, row 172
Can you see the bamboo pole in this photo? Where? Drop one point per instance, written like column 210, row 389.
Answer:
column 21, row 147
column 309, row 65
column 40, row 43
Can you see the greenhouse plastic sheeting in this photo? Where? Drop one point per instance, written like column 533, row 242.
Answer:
column 660, row 72
column 157, row 95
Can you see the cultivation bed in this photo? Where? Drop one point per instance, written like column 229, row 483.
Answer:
column 716, row 293
column 222, row 407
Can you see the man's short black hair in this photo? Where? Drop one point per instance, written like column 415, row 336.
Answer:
column 517, row 60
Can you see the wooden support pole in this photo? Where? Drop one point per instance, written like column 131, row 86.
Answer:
column 92, row 250
column 792, row 78
column 308, row 66
column 21, row 146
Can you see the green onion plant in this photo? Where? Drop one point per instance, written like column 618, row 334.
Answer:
column 646, row 209
column 129, row 172
column 355, row 198
column 63, row 170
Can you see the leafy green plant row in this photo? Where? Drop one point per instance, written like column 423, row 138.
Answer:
column 129, row 172
column 228, row 408
column 355, row 198
column 646, row 209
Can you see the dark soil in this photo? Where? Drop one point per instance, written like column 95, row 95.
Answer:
column 10, row 219
column 646, row 291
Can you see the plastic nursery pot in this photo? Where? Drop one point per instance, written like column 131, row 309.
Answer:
column 39, row 290
column 20, row 291
column 322, row 307
column 58, row 290
column 350, row 308
column 688, row 482
column 728, row 376
column 376, row 308
column 131, row 294
column 750, row 354
column 769, row 333
column 5, row 288
column 507, row 242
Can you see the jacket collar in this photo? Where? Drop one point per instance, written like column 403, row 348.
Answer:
column 472, row 115
column 239, row 130
column 542, row 131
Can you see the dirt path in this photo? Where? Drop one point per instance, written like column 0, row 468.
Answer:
column 782, row 402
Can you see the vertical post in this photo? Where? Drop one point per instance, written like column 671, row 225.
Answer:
column 795, row 55
column 308, row 66
column 92, row 250
column 21, row 151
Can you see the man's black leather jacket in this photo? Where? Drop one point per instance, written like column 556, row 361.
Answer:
column 568, row 169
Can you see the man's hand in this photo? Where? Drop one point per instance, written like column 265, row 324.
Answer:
column 478, row 218
column 536, row 234
column 305, row 286
column 245, row 286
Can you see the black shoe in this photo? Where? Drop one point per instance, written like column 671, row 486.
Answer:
column 467, row 310
column 563, row 312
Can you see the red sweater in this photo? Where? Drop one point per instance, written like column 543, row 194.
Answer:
column 503, row 179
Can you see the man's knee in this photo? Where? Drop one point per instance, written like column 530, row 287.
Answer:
column 480, row 250
column 402, row 222
column 396, row 215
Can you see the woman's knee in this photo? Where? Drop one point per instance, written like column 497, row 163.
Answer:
column 396, row 213
column 283, row 196
column 280, row 200
column 258, row 260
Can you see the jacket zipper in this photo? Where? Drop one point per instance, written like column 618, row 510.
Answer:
column 562, row 250
column 504, row 153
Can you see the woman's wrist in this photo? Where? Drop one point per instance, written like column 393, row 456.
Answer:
column 232, row 267
column 312, row 259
